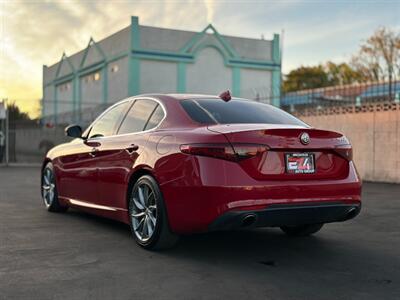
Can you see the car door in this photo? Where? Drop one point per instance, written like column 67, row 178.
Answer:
column 120, row 153
column 77, row 172
column 80, row 167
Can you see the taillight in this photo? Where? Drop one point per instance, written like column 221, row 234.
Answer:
column 231, row 152
column 345, row 151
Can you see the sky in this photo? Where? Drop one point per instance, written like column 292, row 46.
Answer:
column 36, row 33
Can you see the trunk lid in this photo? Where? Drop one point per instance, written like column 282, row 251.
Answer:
column 325, row 146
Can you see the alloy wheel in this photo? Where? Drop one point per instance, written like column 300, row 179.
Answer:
column 48, row 187
column 144, row 212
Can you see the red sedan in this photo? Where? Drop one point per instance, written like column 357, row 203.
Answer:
column 179, row 164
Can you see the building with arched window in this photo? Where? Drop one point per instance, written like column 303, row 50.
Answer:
column 142, row 59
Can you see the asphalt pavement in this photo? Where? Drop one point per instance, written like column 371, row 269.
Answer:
column 78, row 256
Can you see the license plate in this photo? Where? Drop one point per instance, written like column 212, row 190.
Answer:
column 300, row 163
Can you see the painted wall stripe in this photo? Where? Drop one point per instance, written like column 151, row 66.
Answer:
column 276, row 52
column 276, row 74
column 134, row 62
column 236, row 81
column 276, row 88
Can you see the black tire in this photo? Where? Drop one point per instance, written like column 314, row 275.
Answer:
column 161, row 236
column 49, row 190
column 302, row 230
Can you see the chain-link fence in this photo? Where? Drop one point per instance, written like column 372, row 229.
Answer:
column 27, row 141
column 3, row 140
column 355, row 95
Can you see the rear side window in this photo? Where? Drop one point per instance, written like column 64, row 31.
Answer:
column 215, row 111
column 138, row 116
column 155, row 118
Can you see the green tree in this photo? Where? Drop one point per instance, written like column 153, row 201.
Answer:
column 340, row 74
column 305, row 78
column 378, row 59
column 379, row 56
column 321, row 76
column 15, row 114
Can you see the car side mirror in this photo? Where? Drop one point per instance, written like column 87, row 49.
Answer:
column 74, row 131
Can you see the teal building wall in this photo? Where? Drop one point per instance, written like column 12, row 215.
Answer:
column 119, row 66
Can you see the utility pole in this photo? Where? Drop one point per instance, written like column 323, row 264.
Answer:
column 4, row 131
column 7, row 132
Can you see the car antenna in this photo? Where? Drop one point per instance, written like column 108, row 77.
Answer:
column 226, row 96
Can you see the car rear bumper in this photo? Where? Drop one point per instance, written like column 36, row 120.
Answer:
column 209, row 189
column 286, row 215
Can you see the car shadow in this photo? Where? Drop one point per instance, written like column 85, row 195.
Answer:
column 244, row 242
column 333, row 250
column 107, row 224
column 265, row 246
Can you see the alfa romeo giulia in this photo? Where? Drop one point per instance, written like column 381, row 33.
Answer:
column 177, row 164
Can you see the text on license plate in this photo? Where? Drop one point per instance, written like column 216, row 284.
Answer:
column 299, row 163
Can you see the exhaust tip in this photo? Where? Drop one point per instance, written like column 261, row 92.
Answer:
column 249, row 220
column 351, row 213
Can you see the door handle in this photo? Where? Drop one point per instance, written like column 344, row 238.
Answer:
column 93, row 152
column 132, row 148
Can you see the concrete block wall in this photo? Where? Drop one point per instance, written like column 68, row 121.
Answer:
column 375, row 137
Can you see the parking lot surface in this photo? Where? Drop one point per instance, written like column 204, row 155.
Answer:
column 76, row 256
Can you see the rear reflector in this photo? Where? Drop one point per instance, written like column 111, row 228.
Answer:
column 231, row 152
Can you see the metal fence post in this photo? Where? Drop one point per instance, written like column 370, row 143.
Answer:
column 7, row 133
column 397, row 98
column 358, row 101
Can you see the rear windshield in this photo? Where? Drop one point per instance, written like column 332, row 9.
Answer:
column 215, row 111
